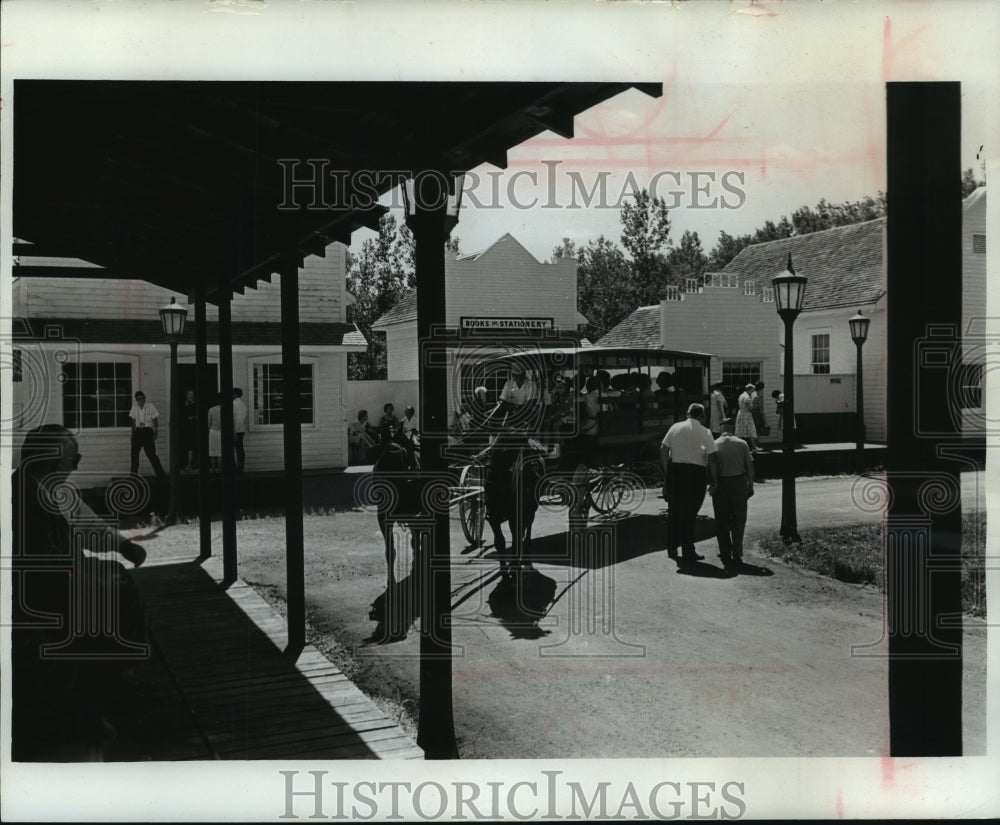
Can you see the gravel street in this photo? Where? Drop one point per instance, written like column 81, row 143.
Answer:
column 636, row 657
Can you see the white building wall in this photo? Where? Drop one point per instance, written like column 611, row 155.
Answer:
column 106, row 452
column 507, row 280
column 323, row 440
column 730, row 326
column 974, row 302
column 402, row 351
column 836, row 391
column 504, row 281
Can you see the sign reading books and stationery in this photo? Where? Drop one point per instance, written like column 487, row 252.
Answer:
column 505, row 325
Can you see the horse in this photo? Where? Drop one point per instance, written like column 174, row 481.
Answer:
column 397, row 490
column 511, row 492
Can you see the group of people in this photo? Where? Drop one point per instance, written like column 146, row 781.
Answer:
column 696, row 460
column 365, row 440
column 751, row 418
column 144, row 418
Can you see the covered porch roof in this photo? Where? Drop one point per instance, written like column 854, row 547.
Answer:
column 178, row 183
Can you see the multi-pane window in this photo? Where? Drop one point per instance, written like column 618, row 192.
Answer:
column 979, row 244
column 269, row 393
column 97, row 395
column 737, row 374
column 821, row 353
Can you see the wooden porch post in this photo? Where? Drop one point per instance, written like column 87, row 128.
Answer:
column 436, row 726
column 201, row 371
column 292, row 430
column 229, row 569
column 924, row 527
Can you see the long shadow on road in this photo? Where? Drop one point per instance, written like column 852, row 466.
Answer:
column 603, row 543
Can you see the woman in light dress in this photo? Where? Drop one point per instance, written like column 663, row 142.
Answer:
column 745, row 427
column 215, row 438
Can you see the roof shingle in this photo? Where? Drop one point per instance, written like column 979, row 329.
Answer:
column 404, row 310
column 640, row 329
column 843, row 264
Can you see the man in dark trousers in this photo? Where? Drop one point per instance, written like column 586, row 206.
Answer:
column 685, row 452
column 145, row 418
column 731, row 478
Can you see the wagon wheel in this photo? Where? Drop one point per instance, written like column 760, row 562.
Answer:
column 607, row 492
column 471, row 508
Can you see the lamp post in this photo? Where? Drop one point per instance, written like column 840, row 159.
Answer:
column 172, row 317
column 859, row 334
column 789, row 290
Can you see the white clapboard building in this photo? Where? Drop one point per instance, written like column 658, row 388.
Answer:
column 496, row 300
column 83, row 346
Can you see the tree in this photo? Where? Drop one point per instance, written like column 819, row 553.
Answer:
column 969, row 182
column 826, row 215
column 726, row 248
column 604, row 284
column 409, row 247
column 646, row 237
column 378, row 276
column 687, row 260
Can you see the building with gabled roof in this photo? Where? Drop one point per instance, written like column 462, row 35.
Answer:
column 495, row 299
column 84, row 345
column 731, row 314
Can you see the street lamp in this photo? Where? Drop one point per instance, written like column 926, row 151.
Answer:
column 442, row 192
column 789, row 291
column 859, row 334
column 172, row 317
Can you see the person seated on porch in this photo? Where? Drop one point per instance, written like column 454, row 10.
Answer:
column 360, row 438
column 63, row 704
column 409, row 425
column 388, row 426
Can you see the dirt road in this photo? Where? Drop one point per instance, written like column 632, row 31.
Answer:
column 636, row 657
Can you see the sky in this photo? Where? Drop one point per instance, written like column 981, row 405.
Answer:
column 790, row 95
column 786, row 105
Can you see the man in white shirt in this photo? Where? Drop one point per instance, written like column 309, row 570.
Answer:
column 519, row 389
column 144, row 418
column 684, row 451
column 241, row 417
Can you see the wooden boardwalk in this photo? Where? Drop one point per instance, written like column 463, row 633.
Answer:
column 221, row 687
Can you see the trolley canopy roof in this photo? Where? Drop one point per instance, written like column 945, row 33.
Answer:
column 603, row 357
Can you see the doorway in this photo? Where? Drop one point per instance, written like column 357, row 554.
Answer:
column 187, row 379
